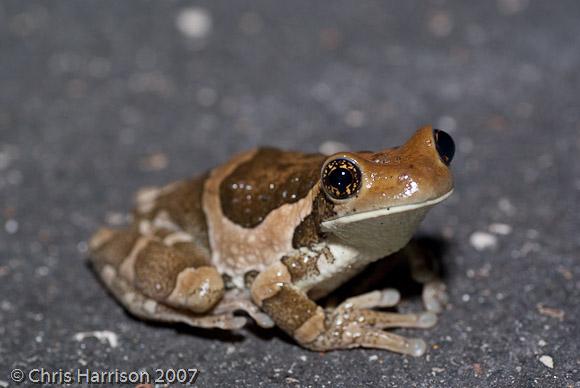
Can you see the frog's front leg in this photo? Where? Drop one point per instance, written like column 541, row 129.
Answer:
column 352, row 324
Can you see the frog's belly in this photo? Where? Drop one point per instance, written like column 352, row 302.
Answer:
column 326, row 286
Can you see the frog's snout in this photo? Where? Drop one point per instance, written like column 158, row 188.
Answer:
column 445, row 146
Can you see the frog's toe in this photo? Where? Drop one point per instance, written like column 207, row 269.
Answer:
column 389, row 341
column 387, row 320
column 435, row 297
column 389, row 297
column 384, row 298
column 427, row 320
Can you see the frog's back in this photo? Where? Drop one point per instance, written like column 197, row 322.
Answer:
column 238, row 217
column 254, row 204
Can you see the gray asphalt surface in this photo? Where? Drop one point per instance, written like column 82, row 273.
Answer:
column 100, row 99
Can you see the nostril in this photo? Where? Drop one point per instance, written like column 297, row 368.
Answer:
column 445, row 145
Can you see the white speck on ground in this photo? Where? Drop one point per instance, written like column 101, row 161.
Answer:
column 105, row 336
column 330, row 147
column 498, row 228
column 506, row 206
column 3, row 384
column 447, row 123
column 436, row 370
column 303, row 358
column 373, row 358
column 230, row 349
column 355, row 118
column 542, row 343
column 155, row 162
column 194, row 22
column 547, row 361
column 483, row 240
column 11, row 226
column 551, row 312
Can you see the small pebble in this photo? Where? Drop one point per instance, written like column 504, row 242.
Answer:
column 104, row 336
column 547, row 361
column 542, row 343
column 155, row 162
column 11, row 226
column 436, row 370
column 483, row 240
column 355, row 118
column 194, row 22
column 503, row 229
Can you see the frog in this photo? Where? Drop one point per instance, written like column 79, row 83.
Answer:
column 265, row 236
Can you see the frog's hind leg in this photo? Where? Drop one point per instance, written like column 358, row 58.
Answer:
column 141, row 306
column 158, row 275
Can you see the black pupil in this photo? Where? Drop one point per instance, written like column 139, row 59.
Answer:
column 340, row 178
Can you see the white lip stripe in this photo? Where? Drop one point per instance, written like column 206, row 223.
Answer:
column 383, row 212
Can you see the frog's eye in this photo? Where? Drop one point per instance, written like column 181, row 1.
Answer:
column 445, row 146
column 341, row 178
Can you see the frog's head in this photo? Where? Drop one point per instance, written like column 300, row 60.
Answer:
column 380, row 197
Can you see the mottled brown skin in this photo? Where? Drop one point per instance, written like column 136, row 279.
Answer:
column 267, row 231
column 267, row 181
column 183, row 204
column 309, row 232
column 289, row 320
column 300, row 266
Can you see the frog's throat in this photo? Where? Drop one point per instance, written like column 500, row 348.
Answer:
column 331, row 224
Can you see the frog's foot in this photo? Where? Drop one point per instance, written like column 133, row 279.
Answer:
column 435, row 296
column 380, row 298
column 350, row 327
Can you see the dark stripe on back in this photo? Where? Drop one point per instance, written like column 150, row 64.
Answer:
column 269, row 180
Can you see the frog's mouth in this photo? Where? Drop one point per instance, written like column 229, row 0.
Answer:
column 380, row 213
column 381, row 231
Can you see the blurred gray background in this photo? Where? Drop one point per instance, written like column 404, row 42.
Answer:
column 98, row 99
